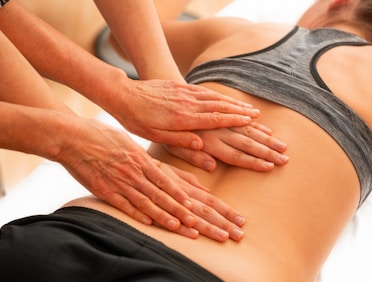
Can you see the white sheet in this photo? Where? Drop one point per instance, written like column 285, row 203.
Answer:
column 49, row 186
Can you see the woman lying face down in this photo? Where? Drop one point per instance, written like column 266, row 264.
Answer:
column 307, row 95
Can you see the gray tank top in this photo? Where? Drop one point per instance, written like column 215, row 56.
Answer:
column 285, row 73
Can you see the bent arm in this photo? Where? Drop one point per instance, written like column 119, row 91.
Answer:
column 33, row 130
column 21, row 84
column 56, row 57
column 136, row 26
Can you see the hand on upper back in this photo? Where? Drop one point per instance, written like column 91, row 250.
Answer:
column 166, row 111
column 117, row 170
column 251, row 147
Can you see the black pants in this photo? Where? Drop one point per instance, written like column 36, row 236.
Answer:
column 80, row 244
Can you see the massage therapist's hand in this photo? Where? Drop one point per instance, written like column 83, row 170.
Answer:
column 251, row 147
column 166, row 111
column 117, row 170
column 214, row 218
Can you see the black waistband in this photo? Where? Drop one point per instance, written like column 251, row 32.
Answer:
column 96, row 244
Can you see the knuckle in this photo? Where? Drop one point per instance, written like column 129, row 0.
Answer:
column 143, row 203
column 222, row 106
column 248, row 144
column 181, row 138
column 125, row 206
column 236, row 156
column 211, row 202
column 209, row 229
column 158, row 197
column 160, row 181
column 216, row 118
column 204, row 211
column 247, row 130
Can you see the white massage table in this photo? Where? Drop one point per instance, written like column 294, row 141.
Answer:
column 50, row 186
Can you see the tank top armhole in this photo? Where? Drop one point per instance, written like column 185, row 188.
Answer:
column 317, row 56
column 271, row 47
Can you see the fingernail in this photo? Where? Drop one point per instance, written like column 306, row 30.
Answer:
column 193, row 233
column 247, row 119
column 172, row 224
column 222, row 234
column 281, row 145
column 196, row 145
column 239, row 220
column 268, row 165
column 283, row 158
column 146, row 220
column 255, row 112
column 237, row 234
column 189, row 221
column 187, row 204
column 208, row 165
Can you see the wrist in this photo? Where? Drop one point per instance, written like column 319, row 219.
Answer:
column 61, row 136
column 108, row 88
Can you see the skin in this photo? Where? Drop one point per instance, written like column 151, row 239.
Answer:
column 107, row 162
column 251, row 152
column 295, row 213
column 98, row 148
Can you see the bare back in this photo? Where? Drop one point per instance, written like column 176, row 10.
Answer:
column 294, row 213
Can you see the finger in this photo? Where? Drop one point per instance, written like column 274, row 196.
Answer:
column 157, row 183
column 243, row 157
column 196, row 158
column 168, row 206
column 221, row 106
column 187, row 232
column 150, row 200
column 126, row 207
column 215, row 215
column 211, row 231
column 219, row 206
column 205, row 94
column 184, row 139
column 183, row 230
column 170, row 197
column 213, row 118
column 159, row 208
column 242, row 149
column 163, row 209
column 262, row 138
column 261, row 127
column 214, row 225
column 189, row 178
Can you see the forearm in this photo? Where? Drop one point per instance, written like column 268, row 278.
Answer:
column 34, row 131
column 141, row 37
column 21, row 84
column 56, row 57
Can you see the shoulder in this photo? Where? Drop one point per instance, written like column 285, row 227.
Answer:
column 349, row 78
